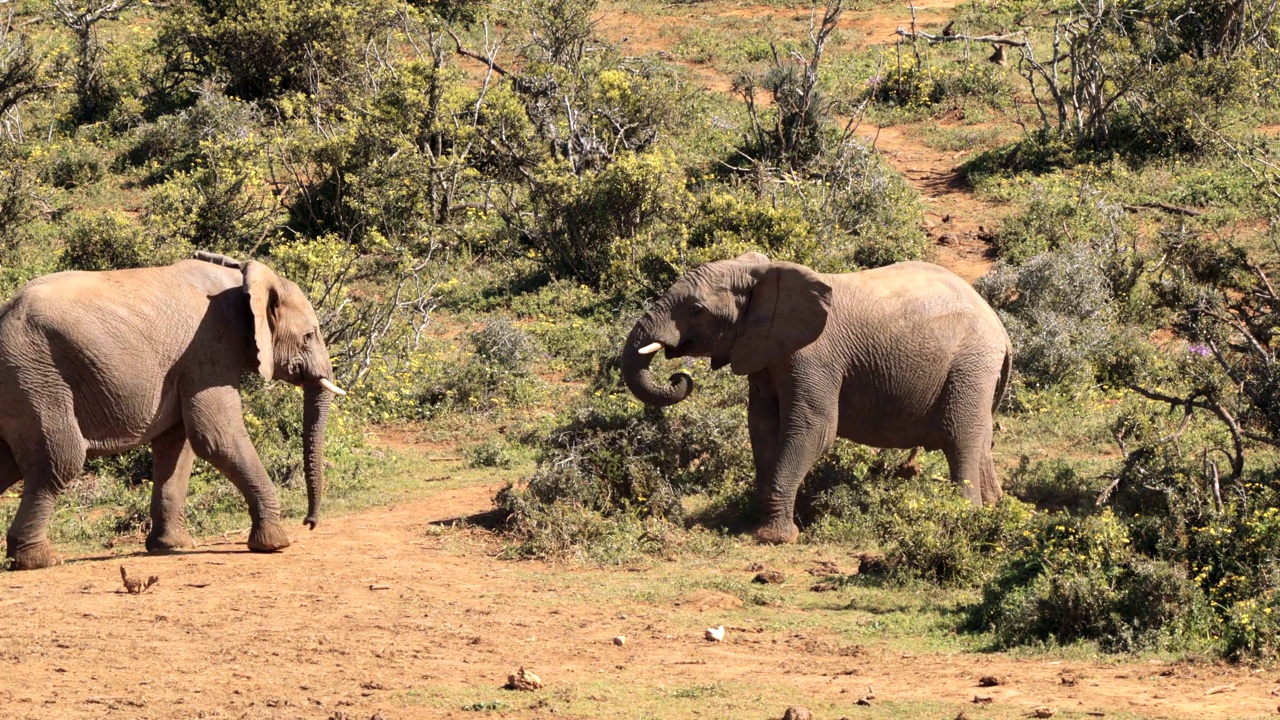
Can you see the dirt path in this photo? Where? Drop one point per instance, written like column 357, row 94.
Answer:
column 383, row 612
column 959, row 224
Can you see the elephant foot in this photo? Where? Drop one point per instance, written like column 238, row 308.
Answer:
column 781, row 533
column 169, row 540
column 32, row 556
column 268, row 537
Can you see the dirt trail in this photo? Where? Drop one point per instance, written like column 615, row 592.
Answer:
column 383, row 612
column 959, row 224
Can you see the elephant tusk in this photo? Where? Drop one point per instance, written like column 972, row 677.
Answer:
column 328, row 385
column 650, row 349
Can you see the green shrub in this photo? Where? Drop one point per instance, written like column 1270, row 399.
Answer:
column 910, row 86
column 1057, row 309
column 612, row 468
column 112, row 241
column 173, row 143
column 492, row 453
column 1077, row 579
column 73, row 165
column 496, row 375
column 264, row 50
column 223, row 203
column 926, row 528
column 15, row 204
column 1054, row 485
column 1054, row 219
column 590, row 226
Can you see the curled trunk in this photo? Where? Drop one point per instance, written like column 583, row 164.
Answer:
column 315, row 416
column 639, row 378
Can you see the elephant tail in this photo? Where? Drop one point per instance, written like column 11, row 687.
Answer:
column 1002, row 387
column 217, row 259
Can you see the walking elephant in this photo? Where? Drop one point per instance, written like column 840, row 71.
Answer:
column 900, row 356
column 96, row 363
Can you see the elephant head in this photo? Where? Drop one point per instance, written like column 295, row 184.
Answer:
column 289, row 347
column 746, row 313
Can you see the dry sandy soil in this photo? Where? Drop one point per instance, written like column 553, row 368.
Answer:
column 394, row 611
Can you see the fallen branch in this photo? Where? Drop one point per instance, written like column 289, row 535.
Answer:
column 993, row 39
column 1171, row 209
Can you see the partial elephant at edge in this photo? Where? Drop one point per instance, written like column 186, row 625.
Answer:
column 97, row 363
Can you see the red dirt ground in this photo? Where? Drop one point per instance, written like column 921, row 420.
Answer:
column 372, row 613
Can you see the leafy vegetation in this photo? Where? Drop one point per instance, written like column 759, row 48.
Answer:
column 480, row 198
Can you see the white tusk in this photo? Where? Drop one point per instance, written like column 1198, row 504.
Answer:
column 328, row 385
column 651, row 348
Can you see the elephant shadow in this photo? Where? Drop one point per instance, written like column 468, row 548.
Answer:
column 491, row 520
column 144, row 554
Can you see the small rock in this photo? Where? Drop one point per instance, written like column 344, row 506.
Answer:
column 1043, row 711
column 523, row 680
column 962, row 716
column 715, row 634
column 824, row 587
column 769, row 577
column 755, row 567
column 989, row 681
column 796, row 712
column 620, row 640
column 863, row 702
column 1068, row 679
column 981, row 699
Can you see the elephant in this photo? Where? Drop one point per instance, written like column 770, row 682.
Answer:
column 899, row 356
column 97, row 363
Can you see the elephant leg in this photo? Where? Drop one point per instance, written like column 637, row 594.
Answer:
column 808, row 429
column 10, row 474
column 172, row 457
column 968, row 450
column 763, row 423
column 215, row 428
column 58, row 460
column 972, row 467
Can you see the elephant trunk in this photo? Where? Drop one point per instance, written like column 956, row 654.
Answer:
column 315, row 416
column 637, row 354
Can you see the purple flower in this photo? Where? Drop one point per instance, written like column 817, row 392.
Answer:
column 1201, row 350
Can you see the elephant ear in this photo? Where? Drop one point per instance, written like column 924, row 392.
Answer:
column 787, row 310
column 263, row 288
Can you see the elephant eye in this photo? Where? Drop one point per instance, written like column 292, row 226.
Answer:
column 696, row 309
column 309, row 337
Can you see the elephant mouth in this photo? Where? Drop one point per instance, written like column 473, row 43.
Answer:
column 670, row 353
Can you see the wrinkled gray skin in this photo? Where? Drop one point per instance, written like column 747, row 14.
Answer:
column 97, row 363
column 897, row 357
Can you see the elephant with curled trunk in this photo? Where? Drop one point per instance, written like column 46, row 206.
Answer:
column 896, row 357
column 97, row 363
